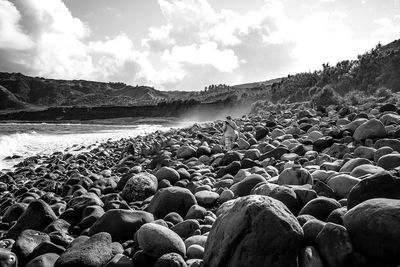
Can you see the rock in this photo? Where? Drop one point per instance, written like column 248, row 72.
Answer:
column 309, row 257
column 121, row 224
column 320, row 207
column 323, row 190
column 230, row 157
column 261, row 133
column 26, row 242
column 36, row 217
column 387, row 142
column 365, row 169
column 168, row 174
column 372, row 128
column 295, row 176
column 288, row 197
column 196, row 212
column 374, row 227
column 311, row 230
column 351, row 164
column 342, row 184
column 8, row 258
column 381, row 152
column 173, row 217
column 79, row 203
column 389, row 161
column 337, row 215
column 45, row 260
column 139, row 187
column 157, row 240
column 171, row 199
column 96, row 251
column 239, row 236
column 365, row 152
column 186, row 152
column 196, row 240
column 206, row 198
column 244, row 187
column 379, row 185
column 170, row 260
column 195, row 252
column 334, row 245
column 186, row 228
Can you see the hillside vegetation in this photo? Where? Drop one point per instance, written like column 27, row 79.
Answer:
column 375, row 69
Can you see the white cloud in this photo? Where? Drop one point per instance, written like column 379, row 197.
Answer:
column 197, row 45
column 204, row 54
column 11, row 35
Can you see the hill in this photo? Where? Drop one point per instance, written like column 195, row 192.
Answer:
column 376, row 69
column 50, row 92
column 9, row 101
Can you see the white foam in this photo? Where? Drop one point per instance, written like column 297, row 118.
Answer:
column 32, row 143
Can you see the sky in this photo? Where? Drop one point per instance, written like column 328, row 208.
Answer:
column 188, row 44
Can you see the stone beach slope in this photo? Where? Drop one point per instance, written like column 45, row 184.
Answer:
column 300, row 188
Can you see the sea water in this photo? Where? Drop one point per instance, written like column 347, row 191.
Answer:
column 23, row 140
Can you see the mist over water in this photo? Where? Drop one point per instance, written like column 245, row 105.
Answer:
column 29, row 139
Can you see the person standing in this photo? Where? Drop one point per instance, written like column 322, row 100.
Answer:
column 229, row 130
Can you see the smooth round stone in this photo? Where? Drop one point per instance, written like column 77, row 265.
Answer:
column 320, row 207
column 206, row 198
column 389, row 161
column 157, row 240
column 342, row 184
column 195, row 252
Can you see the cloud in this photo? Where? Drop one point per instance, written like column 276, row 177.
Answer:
column 196, row 46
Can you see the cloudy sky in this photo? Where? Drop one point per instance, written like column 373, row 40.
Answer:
column 188, row 44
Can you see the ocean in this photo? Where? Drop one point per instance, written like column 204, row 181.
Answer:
column 22, row 140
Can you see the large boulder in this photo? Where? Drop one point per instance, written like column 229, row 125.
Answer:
column 380, row 185
column 373, row 128
column 121, row 224
column 256, row 231
column 171, row 199
column 37, row 216
column 374, row 227
column 157, row 240
column 95, row 251
column 139, row 187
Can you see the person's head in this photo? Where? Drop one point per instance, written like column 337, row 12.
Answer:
column 228, row 117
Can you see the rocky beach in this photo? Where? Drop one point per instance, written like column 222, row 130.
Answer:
column 299, row 188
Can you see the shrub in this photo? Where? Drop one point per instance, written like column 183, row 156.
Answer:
column 355, row 97
column 327, row 96
column 384, row 93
